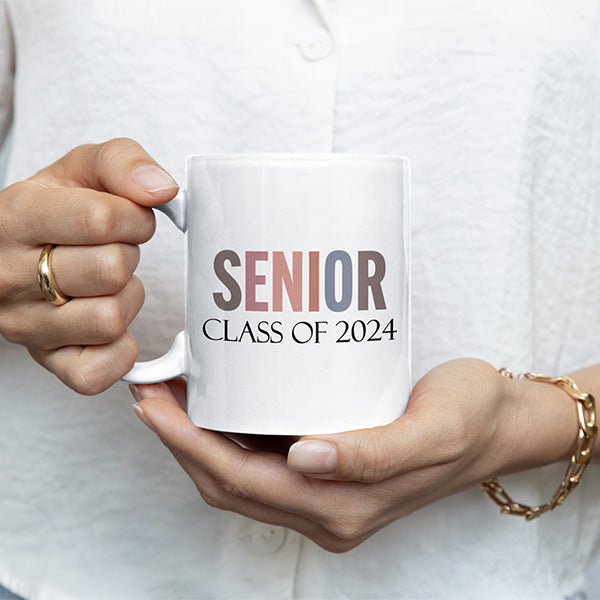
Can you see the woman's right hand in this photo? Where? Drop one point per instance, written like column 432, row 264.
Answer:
column 94, row 205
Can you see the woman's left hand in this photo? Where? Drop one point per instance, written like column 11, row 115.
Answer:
column 464, row 424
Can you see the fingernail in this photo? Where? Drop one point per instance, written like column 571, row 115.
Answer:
column 312, row 456
column 153, row 179
column 135, row 392
column 143, row 418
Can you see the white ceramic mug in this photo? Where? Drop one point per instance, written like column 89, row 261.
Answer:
column 297, row 293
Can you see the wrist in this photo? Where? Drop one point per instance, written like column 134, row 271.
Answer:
column 581, row 450
column 541, row 427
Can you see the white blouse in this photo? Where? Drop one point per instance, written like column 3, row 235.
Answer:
column 498, row 107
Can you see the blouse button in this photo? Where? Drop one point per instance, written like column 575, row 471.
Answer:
column 317, row 44
column 267, row 538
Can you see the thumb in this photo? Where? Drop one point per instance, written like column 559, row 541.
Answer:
column 365, row 455
column 119, row 166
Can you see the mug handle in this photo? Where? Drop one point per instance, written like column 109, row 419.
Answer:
column 173, row 363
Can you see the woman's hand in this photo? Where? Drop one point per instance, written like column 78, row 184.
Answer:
column 465, row 423
column 94, row 205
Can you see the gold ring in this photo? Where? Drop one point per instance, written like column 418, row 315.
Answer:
column 46, row 278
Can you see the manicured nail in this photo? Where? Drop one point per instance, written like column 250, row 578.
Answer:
column 143, row 418
column 153, row 179
column 312, row 456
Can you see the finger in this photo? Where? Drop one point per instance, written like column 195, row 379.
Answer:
column 90, row 370
column 87, row 271
column 265, row 443
column 119, row 166
column 221, row 457
column 260, row 476
column 178, row 388
column 81, row 321
column 84, row 271
column 416, row 440
column 202, row 445
column 75, row 216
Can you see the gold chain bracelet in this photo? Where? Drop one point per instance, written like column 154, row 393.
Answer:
column 586, row 417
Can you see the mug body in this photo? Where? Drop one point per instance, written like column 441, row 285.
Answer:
column 297, row 292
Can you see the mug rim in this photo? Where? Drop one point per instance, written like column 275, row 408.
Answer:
column 300, row 157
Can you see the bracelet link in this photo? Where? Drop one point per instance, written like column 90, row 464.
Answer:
column 586, row 436
column 587, row 422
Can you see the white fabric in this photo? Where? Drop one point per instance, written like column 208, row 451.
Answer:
column 498, row 107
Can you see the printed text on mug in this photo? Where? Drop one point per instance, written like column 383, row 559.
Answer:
column 256, row 281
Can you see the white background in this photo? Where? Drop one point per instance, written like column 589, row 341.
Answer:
column 594, row 573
